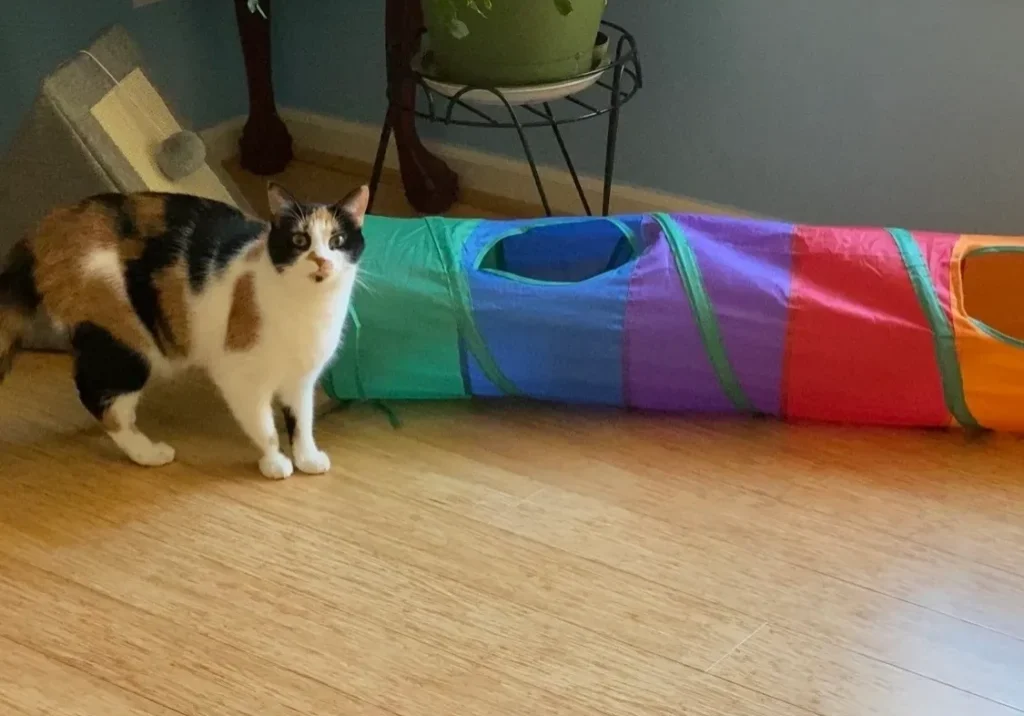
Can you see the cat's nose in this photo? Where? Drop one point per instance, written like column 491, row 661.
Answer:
column 323, row 267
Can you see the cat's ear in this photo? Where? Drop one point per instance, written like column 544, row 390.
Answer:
column 355, row 204
column 281, row 202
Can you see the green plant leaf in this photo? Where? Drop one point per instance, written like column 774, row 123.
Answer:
column 564, row 6
column 457, row 28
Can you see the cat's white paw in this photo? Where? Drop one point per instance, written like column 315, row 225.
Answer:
column 315, row 462
column 148, row 454
column 276, row 466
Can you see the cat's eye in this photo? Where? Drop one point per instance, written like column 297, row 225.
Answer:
column 300, row 241
column 336, row 241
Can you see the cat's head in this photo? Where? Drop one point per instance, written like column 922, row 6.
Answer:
column 320, row 243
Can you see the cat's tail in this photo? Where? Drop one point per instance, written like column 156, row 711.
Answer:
column 19, row 301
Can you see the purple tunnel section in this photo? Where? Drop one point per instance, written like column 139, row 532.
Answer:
column 746, row 268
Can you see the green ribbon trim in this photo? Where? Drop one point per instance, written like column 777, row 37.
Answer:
column 636, row 246
column 631, row 237
column 942, row 331
column 703, row 312
column 458, row 290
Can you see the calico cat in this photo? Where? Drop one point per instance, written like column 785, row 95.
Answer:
column 149, row 283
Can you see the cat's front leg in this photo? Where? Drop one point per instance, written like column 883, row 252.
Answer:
column 252, row 405
column 297, row 401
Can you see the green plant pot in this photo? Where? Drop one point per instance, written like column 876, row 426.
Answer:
column 519, row 42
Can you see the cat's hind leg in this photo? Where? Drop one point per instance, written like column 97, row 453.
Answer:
column 297, row 403
column 110, row 377
column 252, row 405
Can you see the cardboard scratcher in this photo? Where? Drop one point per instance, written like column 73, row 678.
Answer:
column 89, row 132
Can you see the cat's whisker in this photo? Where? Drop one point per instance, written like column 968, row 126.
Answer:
column 362, row 283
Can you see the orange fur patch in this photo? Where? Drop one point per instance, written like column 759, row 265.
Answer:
column 320, row 219
column 149, row 214
column 244, row 317
column 63, row 245
column 129, row 249
column 171, row 284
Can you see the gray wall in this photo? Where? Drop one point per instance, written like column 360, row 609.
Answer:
column 903, row 112
column 191, row 47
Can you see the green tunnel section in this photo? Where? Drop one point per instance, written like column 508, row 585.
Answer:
column 403, row 273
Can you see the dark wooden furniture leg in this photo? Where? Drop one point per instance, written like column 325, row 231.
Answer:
column 266, row 145
column 430, row 185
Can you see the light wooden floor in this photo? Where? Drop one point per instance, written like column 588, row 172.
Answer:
column 504, row 559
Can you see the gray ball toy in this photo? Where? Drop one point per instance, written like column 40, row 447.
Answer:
column 181, row 154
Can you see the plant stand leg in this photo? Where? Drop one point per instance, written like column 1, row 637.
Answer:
column 533, row 167
column 378, row 162
column 613, row 132
column 522, row 139
column 568, row 160
column 266, row 145
column 431, row 187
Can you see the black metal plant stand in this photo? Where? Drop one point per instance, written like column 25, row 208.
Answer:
column 603, row 98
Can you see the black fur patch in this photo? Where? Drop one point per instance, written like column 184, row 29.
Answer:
column 118, row 206
column 214, row 233
column 158, row 254
column 282, row 250
column 355, row 242
column 105, row 368
column 208, row 234
column 289, row 423
column 17, row 280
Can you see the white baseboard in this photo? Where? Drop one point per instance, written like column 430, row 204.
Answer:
column 481, row 171
column 221, row 139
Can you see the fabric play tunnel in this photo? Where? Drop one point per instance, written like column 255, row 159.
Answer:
column 691, row 313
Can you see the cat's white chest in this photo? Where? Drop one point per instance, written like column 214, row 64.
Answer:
column 302, row 331
column 300, row 344
column 296, row 328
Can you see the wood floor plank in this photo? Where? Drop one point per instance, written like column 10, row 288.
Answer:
column 38, row 685
column 964, row 506
column 830, row 544
column 935, row 645
column 305, row 572
column 292, row 632
column 944, row 648
column 775, row 661
column 983, row 537
column 919, row 485
column 32, row 684
column 919, row 640
column 152, row 658
column 272, row 620
column 672, row 555
column 638, row 612
column 664, row 488
column 351, row 587
column 939, row 488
